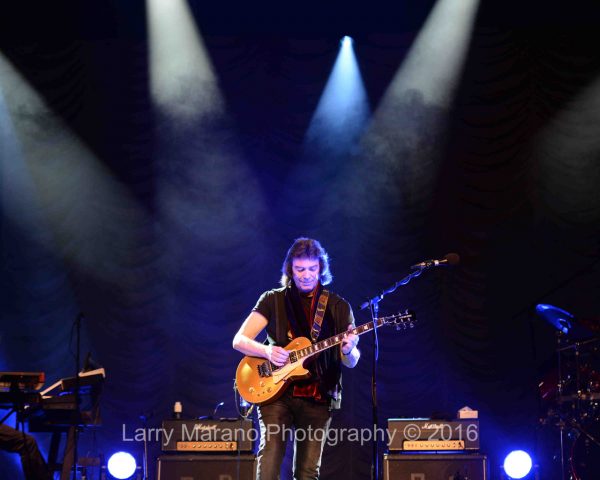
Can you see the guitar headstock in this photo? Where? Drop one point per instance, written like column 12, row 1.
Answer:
column 401, row 320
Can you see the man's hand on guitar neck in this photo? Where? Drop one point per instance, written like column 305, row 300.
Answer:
column 350, row 354
column 349, row 342
column 277, row 355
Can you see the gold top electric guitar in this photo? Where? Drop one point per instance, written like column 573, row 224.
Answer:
column 260, row 381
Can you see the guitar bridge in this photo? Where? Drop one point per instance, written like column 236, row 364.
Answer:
column 264, row 370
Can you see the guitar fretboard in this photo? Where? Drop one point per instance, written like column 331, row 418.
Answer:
column 303, row 353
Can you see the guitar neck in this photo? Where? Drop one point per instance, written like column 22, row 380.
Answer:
column 315, row 348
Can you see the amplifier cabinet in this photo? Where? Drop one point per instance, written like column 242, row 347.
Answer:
column 206, row 467
column 176, row 433
column 438, row 466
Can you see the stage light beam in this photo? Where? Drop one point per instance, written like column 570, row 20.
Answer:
column 343, row 108
column 204, row 186
column 182, row 80
column 53, row 187
column 437, row 56
column 405, row 137
column 568, row 150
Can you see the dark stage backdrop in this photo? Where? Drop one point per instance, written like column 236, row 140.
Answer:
column 168, row 256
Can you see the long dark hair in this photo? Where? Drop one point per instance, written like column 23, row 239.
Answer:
column 309, row 248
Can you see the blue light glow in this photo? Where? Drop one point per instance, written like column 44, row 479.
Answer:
column 517, row 464
column 121, row 465
column 343, row 108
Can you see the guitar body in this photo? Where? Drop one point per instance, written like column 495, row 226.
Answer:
column 258, row 388
column 259, row 381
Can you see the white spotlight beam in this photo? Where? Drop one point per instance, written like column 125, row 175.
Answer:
column 52, row 183
column 343, row 107
column 435, row 61
column 182, row 81
column 404, row 136
column 568, row 151
column 201, row 180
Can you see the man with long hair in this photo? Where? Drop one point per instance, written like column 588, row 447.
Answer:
column 287, row 313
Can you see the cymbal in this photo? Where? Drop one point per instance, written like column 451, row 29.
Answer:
column 557, row 317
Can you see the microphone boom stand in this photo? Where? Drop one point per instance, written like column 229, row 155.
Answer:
column 373, row 305
column 77, row 418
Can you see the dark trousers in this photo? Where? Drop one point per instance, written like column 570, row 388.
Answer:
column 34, row 465
column 288, row 418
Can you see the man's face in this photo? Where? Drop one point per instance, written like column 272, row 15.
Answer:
column 305, row 273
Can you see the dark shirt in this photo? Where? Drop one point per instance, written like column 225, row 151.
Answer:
column 285, row 309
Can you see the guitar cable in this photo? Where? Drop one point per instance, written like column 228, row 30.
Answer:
column 238, row 399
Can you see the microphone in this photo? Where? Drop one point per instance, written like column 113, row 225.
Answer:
column 450, row 260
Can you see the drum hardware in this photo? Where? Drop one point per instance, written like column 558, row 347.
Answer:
column 570, row 393
column 582, row 431
column 577, row 345
column 584, row 457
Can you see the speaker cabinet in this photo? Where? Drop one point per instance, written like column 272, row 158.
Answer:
column 205, row 467
column 438, row 466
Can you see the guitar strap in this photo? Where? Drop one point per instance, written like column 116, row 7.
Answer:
column 319, row 314
column 280, row 312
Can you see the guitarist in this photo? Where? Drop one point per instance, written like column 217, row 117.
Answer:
column 287, row 313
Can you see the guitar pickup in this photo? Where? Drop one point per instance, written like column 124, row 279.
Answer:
column 264, row 370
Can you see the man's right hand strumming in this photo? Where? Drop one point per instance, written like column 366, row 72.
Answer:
column 277, row 355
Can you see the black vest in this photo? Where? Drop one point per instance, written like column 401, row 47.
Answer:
column 289, row 315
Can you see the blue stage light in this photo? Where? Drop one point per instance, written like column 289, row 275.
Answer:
column 517, row 464
column 121, row 465
column 342, row 111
